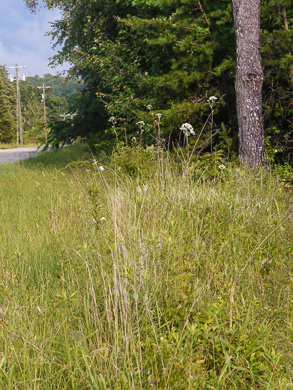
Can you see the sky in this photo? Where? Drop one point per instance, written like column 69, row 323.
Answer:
column 23, row 40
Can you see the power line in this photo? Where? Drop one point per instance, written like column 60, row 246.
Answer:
column 30, row 72
column 44, row 87
column 19, row 134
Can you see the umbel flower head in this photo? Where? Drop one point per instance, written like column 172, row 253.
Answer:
column 140, row 124
column 187, row 129
column 159, row 116
column 212, row 99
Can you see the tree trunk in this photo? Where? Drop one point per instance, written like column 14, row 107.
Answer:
column 249, row 81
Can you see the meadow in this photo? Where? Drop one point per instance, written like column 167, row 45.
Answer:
column 15, row 145
column 146, row 278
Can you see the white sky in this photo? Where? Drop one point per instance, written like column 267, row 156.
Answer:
column 23, row 40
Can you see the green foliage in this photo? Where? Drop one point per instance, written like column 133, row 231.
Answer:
column 217, row 355
column 57, row 107
column 32, row 113
column 59, row 96
column 208, row 166
column 173, row 56
column 135, row 161
column 61, row 86
column 7, row 108
column 111, row 281
column 285, row 171
column 277, row 38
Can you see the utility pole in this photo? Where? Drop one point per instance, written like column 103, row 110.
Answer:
column 19, row 133
column 44, row 87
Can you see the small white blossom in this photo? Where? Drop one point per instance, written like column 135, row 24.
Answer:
column 159, row 117
column 213, row 99
column 162, row 338
column 112, row 120
column 187, row 129
column 276, row 150
column 95, row 162
column 222, row 167
column 103, row 219
column 101, row 168
column 140, row 123
column 149, row 106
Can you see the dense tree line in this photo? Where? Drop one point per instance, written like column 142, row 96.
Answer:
column 58, row 98
column 7, row 107
column 172, row 55
column 61, row 86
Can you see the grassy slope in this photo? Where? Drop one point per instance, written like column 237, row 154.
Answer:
column 111, row 282
column 14, row 145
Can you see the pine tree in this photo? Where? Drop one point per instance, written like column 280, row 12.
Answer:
column 173, row 55
column 7, row 105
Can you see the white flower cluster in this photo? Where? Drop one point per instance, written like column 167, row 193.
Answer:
column 222, row 167
column 112, row 120
column 212, row 99
column 149, row 106
column 140, row 123
column 187, row 129
column 101, row 168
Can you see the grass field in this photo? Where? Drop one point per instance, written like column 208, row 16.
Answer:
column 14, row 145
column 111, row 281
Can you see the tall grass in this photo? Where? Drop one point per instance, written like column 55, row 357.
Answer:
column 109, row 281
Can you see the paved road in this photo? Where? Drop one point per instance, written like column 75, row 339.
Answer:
column 18, row 154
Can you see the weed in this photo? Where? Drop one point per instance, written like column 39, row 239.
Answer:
column 112, row 280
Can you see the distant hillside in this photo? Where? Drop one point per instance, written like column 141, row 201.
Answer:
column 61, row 86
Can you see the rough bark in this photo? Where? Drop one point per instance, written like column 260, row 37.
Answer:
column 249, row 82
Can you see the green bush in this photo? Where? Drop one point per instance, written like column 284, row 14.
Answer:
column 285, row 172
column 135, row 161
